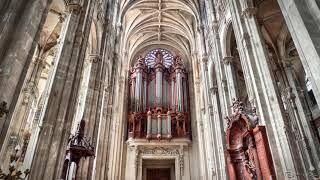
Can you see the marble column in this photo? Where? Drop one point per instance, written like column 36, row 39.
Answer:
column 20, row 28
column 282, row 143
column 53, row 138
column 303, row 21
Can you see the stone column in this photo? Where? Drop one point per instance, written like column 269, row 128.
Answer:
column 63, row 97
column 217, row 95
column 197, row 113
column 209, row 140
column 92, row 111
column 19, row 27
column 306, row 138
column 283, row 147
column 118, row 120
column 220, row 73
column 10, row 12
column 231, row 77
column 303, row 21
column 39, row 114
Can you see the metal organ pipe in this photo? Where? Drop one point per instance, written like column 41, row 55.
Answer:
column 159, row 76
column 179, row 92
column 139, row 86
column 159, row 126
column 173, row 95
column 133, row 87
column 139, row 92
column 149, row 124
column 169, row 124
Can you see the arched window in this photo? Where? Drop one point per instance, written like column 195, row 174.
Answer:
column 151, row 57
column 159, row 104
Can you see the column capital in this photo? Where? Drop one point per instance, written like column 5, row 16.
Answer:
column 249, row 12
column 215, row 26
column 287, row 64
column 3, row 108
column 119, row 26
column 214, row 89
column 61, row 18
column 228, row 60
column 200, row 27
column 289, row 93
column 205, row 61
column 93, row 58
column 246, row 40
column 205, row 58
column 73, row 6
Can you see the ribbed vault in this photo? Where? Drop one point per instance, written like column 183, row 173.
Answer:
column 168, row 24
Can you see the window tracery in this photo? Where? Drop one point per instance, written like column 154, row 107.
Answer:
column 150, row 58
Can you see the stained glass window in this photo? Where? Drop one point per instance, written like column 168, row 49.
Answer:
column 151, row 57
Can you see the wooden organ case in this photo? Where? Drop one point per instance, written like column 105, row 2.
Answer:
column 247, row 154
column 159, row 101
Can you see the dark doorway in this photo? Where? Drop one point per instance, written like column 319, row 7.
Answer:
column 158, row 174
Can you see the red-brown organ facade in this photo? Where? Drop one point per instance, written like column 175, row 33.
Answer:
column 159, row 100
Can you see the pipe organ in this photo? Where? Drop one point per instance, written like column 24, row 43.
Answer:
column 158, row 104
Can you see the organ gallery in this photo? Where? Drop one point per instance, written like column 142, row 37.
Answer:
column 160, row 89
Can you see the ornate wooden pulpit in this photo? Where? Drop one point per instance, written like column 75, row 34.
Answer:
column 248, row 155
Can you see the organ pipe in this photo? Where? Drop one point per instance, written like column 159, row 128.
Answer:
column 169, row 124
column 149, row 124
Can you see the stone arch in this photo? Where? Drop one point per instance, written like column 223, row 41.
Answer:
column 227, row 35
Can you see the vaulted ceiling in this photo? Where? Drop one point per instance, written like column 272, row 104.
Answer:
column 169, row 24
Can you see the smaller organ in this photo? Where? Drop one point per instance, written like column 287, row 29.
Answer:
column 159, row 101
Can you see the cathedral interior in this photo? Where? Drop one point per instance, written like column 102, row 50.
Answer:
column 160, row 89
